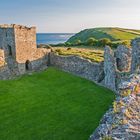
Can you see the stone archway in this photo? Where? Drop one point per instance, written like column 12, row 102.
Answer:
column 119, row 64
column 28, row 65
column 9, row 50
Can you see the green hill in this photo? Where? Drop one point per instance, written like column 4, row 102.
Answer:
column 114, row 34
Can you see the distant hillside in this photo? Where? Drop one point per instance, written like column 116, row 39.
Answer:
column 114, row 34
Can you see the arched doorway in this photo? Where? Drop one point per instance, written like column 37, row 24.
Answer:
column 9, row 50
column 119, row 64
column 28, row 65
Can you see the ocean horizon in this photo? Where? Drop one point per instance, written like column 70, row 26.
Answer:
column 53, row 38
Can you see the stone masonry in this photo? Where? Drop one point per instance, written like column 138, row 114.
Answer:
column 122, row 121
column 78, row 66
column 108, row 73
column 109, row 68
column 116, row 65
column 123, row 58
column 18, row 50
column 135, row 65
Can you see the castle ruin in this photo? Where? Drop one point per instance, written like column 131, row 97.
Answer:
column 19, row 54
column 18, row 50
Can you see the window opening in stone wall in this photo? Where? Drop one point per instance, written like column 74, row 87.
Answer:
column 118, row 61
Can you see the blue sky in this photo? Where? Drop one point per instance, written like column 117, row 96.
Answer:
column 71, row 15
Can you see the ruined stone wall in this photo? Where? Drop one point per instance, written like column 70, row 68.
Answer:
column 79, row 66
column 109, row 73
column 7, row 40
column 39, row 59
column 123, row 58
column 20, row 51
column 2, row 58
column 7, row 44
column 25, row 41
column 117, row 65
column 109, row 68
column 5, row 72
column 27, row 51
column 135, row 64
column 122, row 121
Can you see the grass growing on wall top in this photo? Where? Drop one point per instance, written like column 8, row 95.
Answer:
column 92, row 54
column 51, row 105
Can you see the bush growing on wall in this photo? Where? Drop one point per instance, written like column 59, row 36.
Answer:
column 126, row 43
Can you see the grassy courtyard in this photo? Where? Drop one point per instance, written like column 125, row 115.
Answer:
column 51, row 105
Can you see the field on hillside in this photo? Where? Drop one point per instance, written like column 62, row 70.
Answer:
column 51, row 105
column 95, row 55
column 114, row 34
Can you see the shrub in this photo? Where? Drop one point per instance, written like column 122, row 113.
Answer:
column 126, row 93
column 115, row 109
column 107, row 138
column 126, row 43
column 91, row 41
column 68, row 44
column 104, row 41
column 78, row 42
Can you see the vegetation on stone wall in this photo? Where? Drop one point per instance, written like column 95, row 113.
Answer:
column 93, row 55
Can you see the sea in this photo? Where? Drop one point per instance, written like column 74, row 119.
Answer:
column 53, row 38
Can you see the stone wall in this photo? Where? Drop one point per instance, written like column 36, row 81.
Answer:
column 7, row 44
column 4, row 72
column 123, row 58
column 117, row 65
column 39, row 59
column 7, row 40
column 20, row 51
column 2, row 58
column 25, row 42
column 135, row 64
column 109, row 68
column 79, row 66
column 122, row 121
column 27, row 52
column 109, row 73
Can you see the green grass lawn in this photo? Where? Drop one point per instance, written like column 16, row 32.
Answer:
column 51, row 105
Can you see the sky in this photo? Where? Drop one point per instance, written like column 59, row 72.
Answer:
column 70, row 16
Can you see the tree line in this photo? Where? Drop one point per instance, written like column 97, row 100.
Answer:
column 94, row 42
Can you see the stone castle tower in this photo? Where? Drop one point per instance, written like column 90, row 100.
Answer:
column 18, row 49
